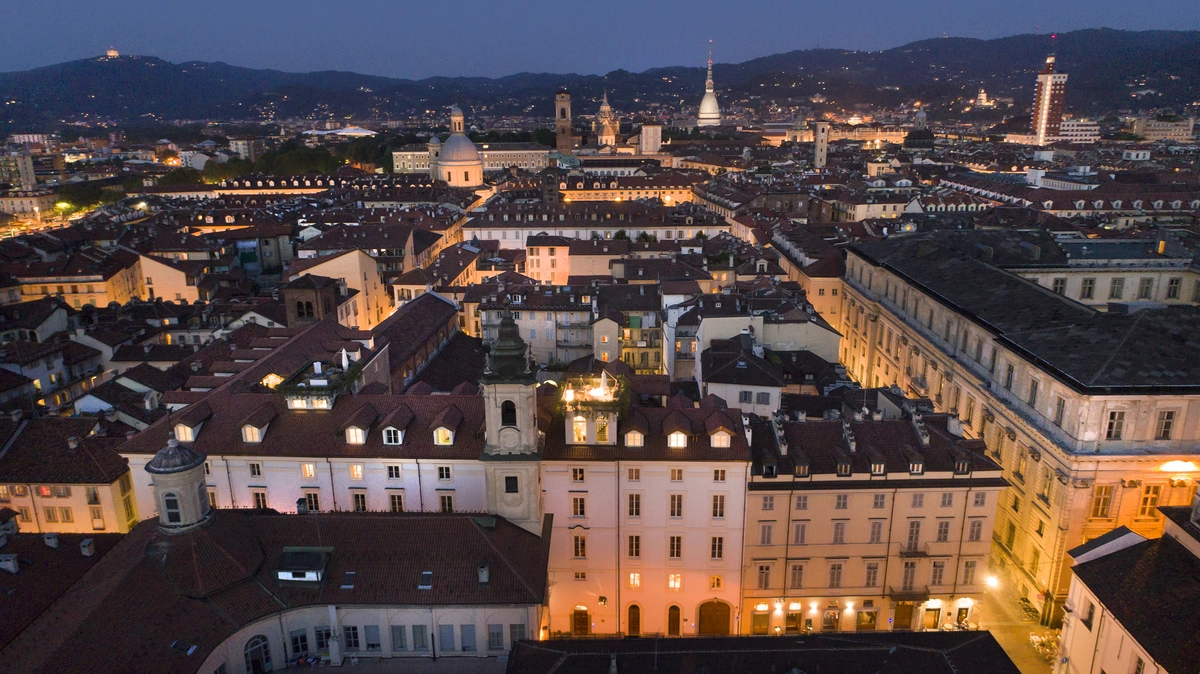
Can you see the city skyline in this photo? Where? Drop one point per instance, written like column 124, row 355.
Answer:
column 477, row 40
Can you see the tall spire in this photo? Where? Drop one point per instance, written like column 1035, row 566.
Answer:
column 708, row 84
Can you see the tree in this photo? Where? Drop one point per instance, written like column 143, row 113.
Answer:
column 647, row 237
column 182, row 176
column 621, row 235
column 543, row 136
column 215, row 172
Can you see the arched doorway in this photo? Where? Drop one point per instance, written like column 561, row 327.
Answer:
column 673, row 620
column 714, row 619
column 258, row 655
column 580, row 623
column 634, row 624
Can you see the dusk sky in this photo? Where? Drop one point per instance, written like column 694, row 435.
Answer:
column 402, row 38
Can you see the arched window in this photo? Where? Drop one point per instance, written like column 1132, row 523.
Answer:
column 508, row 413
column 171, row 506
column 634, row 626
column 579, row 430
column 308, row 309
column 673, row 620
column 634, row 439
column 442, row 436
column 677, row 440
column 205, row 499
column 299, row 309
column 258, row 656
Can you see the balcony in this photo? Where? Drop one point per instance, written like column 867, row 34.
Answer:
column 573, row 343
column 914, row 593
column 685, row 355
column 917, row 550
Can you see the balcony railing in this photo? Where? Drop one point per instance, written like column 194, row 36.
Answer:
column 917, row 550
column 909, row 593
column 685, row 355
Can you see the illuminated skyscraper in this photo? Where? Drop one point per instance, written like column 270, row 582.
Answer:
column 1048, row 103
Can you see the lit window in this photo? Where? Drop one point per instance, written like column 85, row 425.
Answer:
column 356, row 436
column 443, row 436
column 635, row 581
column 634, row 439
column 251, row 434
column 720, row 439
column 356, row 471
column 308, row 470
column 677, row 440
column 579, row 430
column 601, row 430
column 674, row 581
column 184, row 433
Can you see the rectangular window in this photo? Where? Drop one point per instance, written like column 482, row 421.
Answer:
column 256, row 470
column 1116, row 425
column 969, row 571
column 516, row 632
column 1009, row 371
column 578, row 506
column 768, row 503
column 802, row 502
column 511, row 484
column 1166, row 421
column 1116, row 289
column 1088, row 289
column 943, row 531
column 909, row 579
column 1149, row 504
column 918, row 500
column 675, row 547
column 635, row 580
column 399, row 638
column 1033, row 393
column 948, row 499
column 360, row 502
column 677, row 475
column 766, row 532
column 420, row 640
column 391, row 436
column 396, row 501
column 356, row 471
column 674, row 581
column 495, row 637
column 393, row 472
column 350, row 637
column 1060, row 410
column 1173, row 285
column 1145, row 288
column 718, row 548
column 371, row 636
column 764, row 577
column 446, row 501
column 876, row 531
column 718, row 506
column 1059, row 286
column 635, row 474
column 635, row 547
column 746, row 396
column 872, row 574
column 796, row 577
column 719, row 475
column 308, row 470
column 762, row 398
column 975, row 531
column 635, row 505
column 313, row 501
column 1101, row 498
column 839, row 533
column 799, row 533
column 878, row 500
column 835, row 575
column 580, row 547
column 51, row 515
column 467, row 634
column 914, row 534
column 980, row 499
column 676, row 506
column 577, row 475
column 443, row 473
column 939, row 573
column 323, row 634
column 841, row 501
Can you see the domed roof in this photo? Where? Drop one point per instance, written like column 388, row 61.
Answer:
column 174, row 458
column 435, row 140
column 710, row 110
column 459, row 148
column 456, row 110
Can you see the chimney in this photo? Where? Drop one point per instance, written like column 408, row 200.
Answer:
column 87, row 547
column 484, row 574
column 51, row 540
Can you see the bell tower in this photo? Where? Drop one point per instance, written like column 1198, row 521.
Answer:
column 564, row 138
column 511, row 452
column 180, row 491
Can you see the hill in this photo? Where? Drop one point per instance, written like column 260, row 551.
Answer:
column 1109, row 69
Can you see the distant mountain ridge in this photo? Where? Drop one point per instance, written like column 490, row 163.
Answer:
column 1109, row 69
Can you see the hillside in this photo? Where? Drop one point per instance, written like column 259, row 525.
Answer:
column 1109, row 70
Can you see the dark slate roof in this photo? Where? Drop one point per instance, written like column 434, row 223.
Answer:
column 461, row 361
column 1150, row 351
column 1152, row 589
column 164, row 597
column 891, row 652
column 731, row 362
column 408, row 330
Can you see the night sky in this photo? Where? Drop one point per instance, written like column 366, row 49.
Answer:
column 418, row 38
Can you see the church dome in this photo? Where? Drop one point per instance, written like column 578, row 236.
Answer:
column 174, row 458
column 459, row 148
column 435, row 140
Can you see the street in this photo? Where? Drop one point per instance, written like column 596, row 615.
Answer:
column 1011, row 628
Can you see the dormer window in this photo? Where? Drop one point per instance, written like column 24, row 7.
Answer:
column 843, row 469
column 185, row 433
column 251, row 434
column 677, row 440
column 601, row 429
column 878, row 468
column 579, row 430
column 393, row 436
column 720, row 439
column 356, row 436
column 916, row 467
column 962, row 466
column 635, row 439
column 443, row 436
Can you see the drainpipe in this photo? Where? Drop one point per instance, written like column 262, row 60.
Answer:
column 332, row 489
column 229, row 478
column 619, row 578
column 420, row 489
